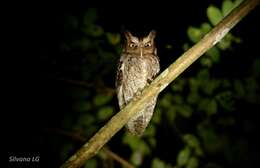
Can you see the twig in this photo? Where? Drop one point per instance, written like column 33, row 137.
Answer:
column 116, row 157
column 107, row 151
column 99, row 86
column 77, row 82
column 90, row 148
column 73, row 136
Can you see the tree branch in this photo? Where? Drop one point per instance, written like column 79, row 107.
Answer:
column 161, row 82
column 99, row 86
column 79, row 138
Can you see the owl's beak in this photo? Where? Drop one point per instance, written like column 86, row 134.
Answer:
column 141, row 52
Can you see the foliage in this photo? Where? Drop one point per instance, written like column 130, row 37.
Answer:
column 195, row 107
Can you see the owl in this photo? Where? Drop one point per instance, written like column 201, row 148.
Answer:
column 137, row 67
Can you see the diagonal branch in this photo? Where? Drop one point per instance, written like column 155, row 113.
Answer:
column 161, row 82
column 79, row 138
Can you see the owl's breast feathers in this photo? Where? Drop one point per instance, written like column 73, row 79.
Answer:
column 133, row 74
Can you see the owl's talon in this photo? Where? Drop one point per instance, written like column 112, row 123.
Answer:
column 137, row 94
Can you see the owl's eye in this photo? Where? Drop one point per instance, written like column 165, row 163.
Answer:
column 132, row 45
column 147, row 44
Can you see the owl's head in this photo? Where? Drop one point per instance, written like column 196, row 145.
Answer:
column 140, row 46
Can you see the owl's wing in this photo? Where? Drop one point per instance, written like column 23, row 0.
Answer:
column 154, row 67
column 119, row 85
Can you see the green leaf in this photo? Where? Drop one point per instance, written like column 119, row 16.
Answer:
column 194, row 84
column 179, row 85
column 203, row 104
column 251, row 87
column 168, row 46
column 206, row 62
column 137, row 158
column 105, row 113
column 84, row 43
column 157, row 163
column 212, row 107
column 210, row 86
column 107, row 57
column 210, row 139
column 177, row 99
column 214, row 54
column 81, row 106
column 136, row 144
column 203, row 75
column 236, row 39
column 91, row 163
column 194, row 34
column 85, row 120
column 78, row 93
column 185, row 46
column 166, row 100
column 237, row 2
column 225, row 43
column 225, row 100
column 256, row 67
column 93, row 30
column 205, row 28
column 239, row 88
column 184, row 110
column 87, row 131
column 152, row 142
column 90, row 16
column 193, row 98
column 226, row 83
column 103, row 155
column 193, row 163
column 183, row 157
column 198, row 151
column 102, row 99
column 150, row 131
column 227, row 121
column 156, row 116
column 227, row 7
column 171, row 114
column 208, row 105
column 113, row 38
column 214, row 15
column 191, row 140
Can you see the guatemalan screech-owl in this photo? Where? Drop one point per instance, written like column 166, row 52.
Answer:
column 137, row 67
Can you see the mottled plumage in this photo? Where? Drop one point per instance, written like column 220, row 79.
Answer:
column 137, row 67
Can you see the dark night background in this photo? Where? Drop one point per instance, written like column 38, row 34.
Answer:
column 37, row 102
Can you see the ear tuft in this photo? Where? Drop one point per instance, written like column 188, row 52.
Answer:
column 128, row 35
column 152, row 34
